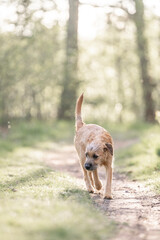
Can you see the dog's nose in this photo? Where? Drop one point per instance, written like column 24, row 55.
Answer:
column 88, row 165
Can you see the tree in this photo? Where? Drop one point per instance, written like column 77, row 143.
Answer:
column 142, row 50
column 70, row 82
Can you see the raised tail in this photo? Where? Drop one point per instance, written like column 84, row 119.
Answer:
column 78, row 119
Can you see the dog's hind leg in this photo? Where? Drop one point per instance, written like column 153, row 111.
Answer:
column 98, row 184
column 107, row 190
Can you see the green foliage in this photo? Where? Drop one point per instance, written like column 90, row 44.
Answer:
column 32, row 67
column 141, row 160
column 158, row 151
column 30, row 71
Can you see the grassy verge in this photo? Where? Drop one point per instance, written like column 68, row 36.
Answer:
column 142, row 160
column 31, row 134
column 37, row 202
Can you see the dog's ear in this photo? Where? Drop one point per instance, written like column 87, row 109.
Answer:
column 108, row 147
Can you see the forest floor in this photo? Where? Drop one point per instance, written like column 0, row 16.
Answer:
column 134, row 207
column 42, row 192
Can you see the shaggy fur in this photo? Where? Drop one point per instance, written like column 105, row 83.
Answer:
column 94, row 146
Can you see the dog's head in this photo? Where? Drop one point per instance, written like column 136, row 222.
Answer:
column 96, row 155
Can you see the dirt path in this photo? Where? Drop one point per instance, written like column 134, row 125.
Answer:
column 135, row 208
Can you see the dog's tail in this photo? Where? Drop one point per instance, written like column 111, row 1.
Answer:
column 78, row 119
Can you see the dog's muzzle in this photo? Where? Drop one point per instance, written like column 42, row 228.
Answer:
column 88, row 166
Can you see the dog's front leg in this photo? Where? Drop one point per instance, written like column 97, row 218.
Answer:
column 108, row 185
column 98, row 184
column 87, row 181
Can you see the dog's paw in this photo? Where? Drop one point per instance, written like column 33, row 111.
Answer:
column 90, row 190
column 100, row 192
column 96, row 191
column 107, row 196
column 98, row 186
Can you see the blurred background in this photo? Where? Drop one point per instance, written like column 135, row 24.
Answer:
column 52, row 50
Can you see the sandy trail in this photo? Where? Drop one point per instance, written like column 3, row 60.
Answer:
column 135, row 208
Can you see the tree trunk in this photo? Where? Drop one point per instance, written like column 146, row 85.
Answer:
column 70, row 81
column 142, row 48
column 4, row 112
column 118, row 67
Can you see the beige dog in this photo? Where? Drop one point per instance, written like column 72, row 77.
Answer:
column 94, row 146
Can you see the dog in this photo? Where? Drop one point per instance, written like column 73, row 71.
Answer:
column 94, row 146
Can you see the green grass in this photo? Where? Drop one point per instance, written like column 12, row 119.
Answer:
column 37, row 202
column 31, row 134
column 142, row 160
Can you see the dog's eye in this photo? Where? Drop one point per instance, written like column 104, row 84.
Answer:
column 95, row 156
column 86, row 154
